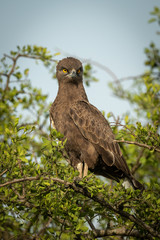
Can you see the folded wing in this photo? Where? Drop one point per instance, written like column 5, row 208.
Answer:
column 95, row 128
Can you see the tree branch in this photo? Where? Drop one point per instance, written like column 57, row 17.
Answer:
column 115, row 232
column 34, row 179
column 14, row 59
column 37, row 57
column 11, row 71
column 140, row 145
column 124, row 214
column 91, row 225
column 29, row 56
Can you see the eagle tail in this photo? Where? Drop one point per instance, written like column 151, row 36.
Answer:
column 131, row 181
column 137, row 185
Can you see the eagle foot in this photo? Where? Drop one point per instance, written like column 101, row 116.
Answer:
column 82, row 168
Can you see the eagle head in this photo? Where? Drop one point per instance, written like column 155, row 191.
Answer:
column 69, row 70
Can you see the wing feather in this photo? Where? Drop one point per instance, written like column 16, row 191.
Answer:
column 95, row 128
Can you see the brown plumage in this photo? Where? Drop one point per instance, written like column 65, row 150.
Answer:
column 90, row 141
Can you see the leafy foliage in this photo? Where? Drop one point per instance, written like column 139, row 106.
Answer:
column 40, row 196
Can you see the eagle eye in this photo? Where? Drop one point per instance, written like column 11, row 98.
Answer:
column 65, row 70
column 79, row 70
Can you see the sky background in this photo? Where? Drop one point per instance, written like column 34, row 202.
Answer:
column 111, row 32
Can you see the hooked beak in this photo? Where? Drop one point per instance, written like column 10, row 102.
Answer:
column 73, row 74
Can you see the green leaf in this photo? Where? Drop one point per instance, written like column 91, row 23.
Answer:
column 18, row 75
column 13, row 53
column 7, row 131
column 56, row 54
column 152, row 20
column 126, row 119
column 26, row 71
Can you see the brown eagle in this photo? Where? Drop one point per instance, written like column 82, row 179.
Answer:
column 90, row 141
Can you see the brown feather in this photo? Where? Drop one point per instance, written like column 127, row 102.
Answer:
column 89, row 137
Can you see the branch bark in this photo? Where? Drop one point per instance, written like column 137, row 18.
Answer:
column 140, row 145
column 116, row 232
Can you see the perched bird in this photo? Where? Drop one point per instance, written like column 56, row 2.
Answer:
column 90, row 142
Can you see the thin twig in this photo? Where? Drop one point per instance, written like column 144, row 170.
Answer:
column 91, row 224
column 14, row 59
column 3, row 172
column 8, row 56
column 4, row 74
column 11, row 71
column 37, row 57
column 103, row 67
column 124, row 232
column 140, row 145
column 29, row 56
column 137, row 164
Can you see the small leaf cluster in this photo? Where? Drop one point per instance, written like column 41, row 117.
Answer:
column 156, row 15
column 88, row 74
column 142, row 132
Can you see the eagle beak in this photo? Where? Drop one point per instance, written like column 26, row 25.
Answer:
column 73, row 73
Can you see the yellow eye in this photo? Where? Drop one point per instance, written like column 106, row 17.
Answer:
column 78, row 71
column 65, row 70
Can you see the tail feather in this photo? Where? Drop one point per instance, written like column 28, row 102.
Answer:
column 132, row 182
column 136, row 184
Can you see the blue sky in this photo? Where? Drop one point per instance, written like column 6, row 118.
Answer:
column 111, row 32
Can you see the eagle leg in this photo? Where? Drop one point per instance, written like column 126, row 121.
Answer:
column 80, row 169
column 85, row 170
